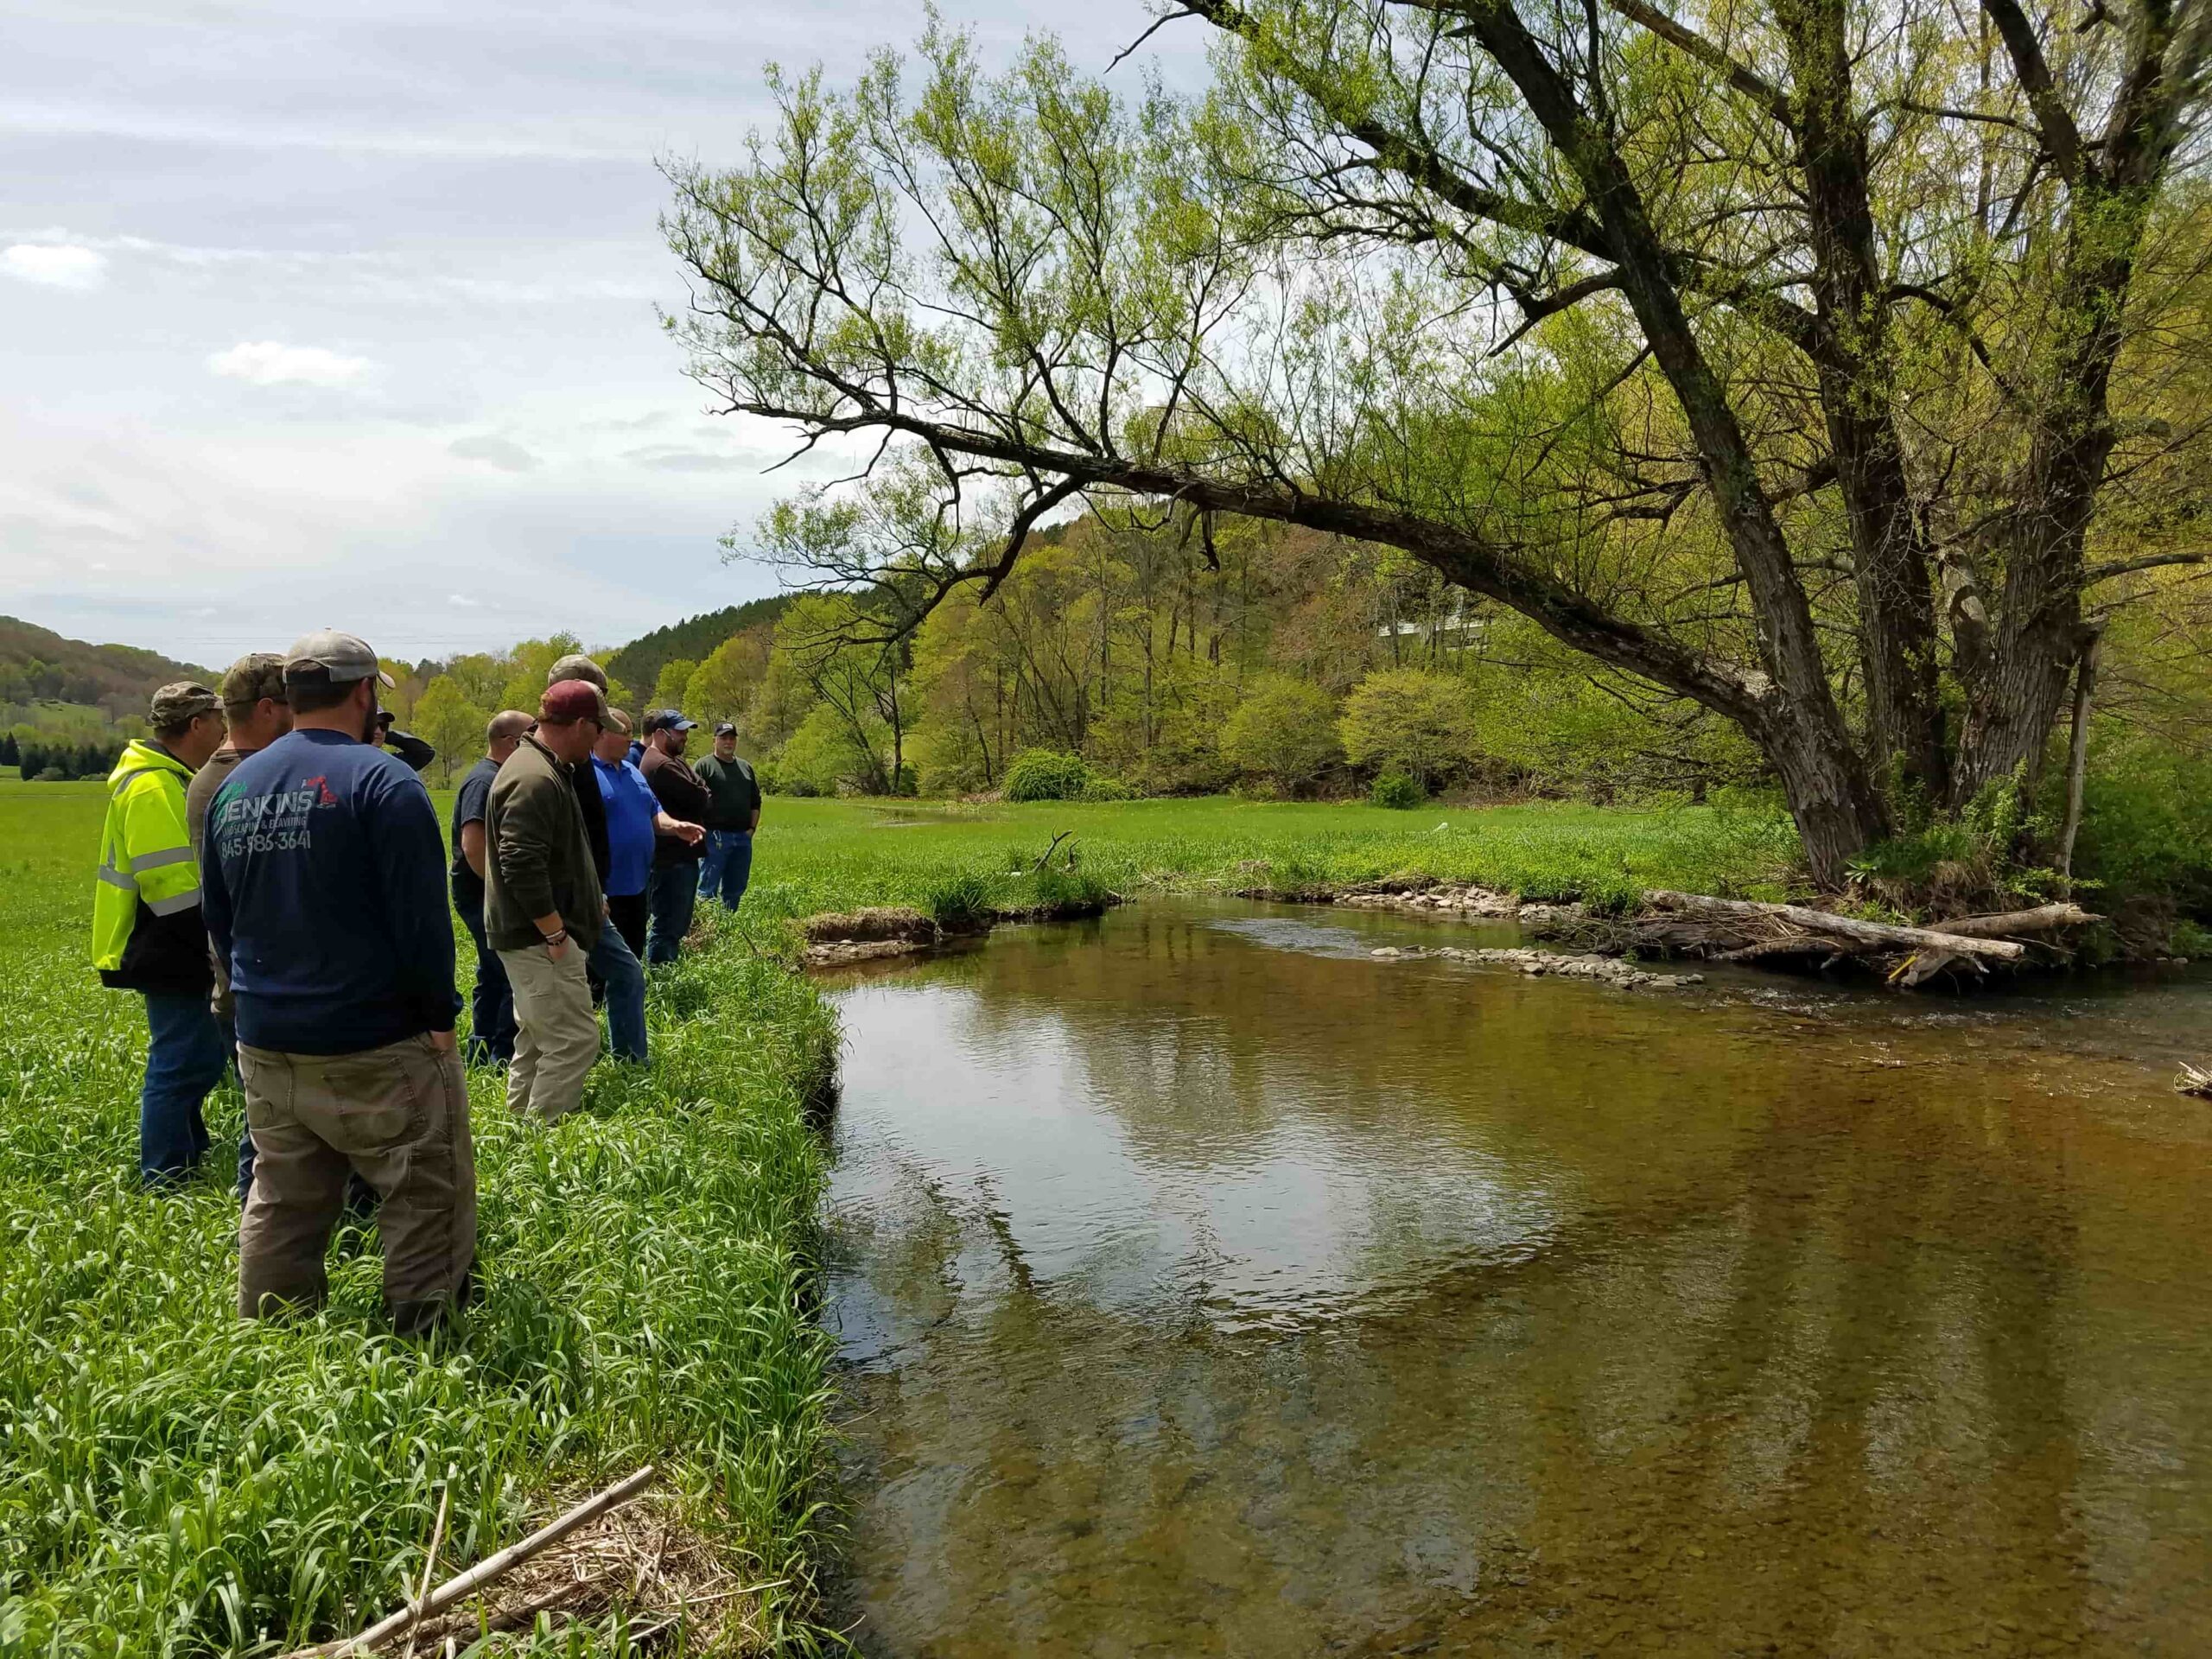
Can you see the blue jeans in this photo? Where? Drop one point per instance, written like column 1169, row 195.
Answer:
column 184, row 1058
column 227, row 1024
column 491, row 1004
column 673, row 895
column 613, row 961
column 727, row 866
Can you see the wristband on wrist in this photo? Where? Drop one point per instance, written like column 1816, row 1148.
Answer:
column 559, row 936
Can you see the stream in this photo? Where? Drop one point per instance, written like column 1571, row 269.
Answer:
column 1204, row 1284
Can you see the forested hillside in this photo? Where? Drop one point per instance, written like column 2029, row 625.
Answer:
column 640, row 661
column 39, row 665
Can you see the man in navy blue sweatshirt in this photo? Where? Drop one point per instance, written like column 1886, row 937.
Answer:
column 324, row 878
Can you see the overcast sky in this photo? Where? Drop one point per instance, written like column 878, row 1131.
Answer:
column 341, row 312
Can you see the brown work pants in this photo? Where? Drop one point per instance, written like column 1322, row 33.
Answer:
column 399, row 1115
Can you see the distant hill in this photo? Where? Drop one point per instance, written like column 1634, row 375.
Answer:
column 638, row 664
column 39, row 665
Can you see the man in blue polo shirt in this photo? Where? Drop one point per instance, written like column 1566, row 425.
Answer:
column 324, row 877
column 634, row 823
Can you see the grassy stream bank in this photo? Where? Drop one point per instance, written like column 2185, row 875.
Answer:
column 173, row 1480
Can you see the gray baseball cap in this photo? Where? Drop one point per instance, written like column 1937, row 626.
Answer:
column 327, row 656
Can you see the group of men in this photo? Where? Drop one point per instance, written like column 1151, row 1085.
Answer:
column 276, row 884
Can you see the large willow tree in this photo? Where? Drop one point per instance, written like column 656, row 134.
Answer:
column 1817, row 360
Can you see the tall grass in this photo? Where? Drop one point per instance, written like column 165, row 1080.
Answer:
column 837, row 854
column 173, row 1480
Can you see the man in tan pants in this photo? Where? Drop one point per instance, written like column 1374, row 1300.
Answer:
column 323, row 879
column 542, row 908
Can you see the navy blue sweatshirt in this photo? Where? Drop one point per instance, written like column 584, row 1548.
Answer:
column 323, row 882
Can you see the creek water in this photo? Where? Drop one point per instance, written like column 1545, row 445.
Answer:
column 1204, row 1284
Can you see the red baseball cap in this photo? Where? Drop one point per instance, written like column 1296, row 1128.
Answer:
column 572, row 700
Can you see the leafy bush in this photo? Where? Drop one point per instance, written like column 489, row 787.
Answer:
column 1285, row 731
column 1406, row 720
column 2144, row 826
column 1102, row 788
column 1046, row 775
column 52, row 775
column 1398, row 790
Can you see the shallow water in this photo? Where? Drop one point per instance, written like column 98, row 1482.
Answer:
column 1207, row 1285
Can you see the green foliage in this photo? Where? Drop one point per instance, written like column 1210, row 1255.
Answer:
column 1099, row 787
column 675, row 680
column 640, row 661
column 451, row 724
column 961, row 903
column 45, row 761
column 2146, row 824
column 1412, row 722
column 114, row 682
column 1046, row 775
column 1285, row 731
column 1057, row 890
column 1396, row 790
column 1972, row 860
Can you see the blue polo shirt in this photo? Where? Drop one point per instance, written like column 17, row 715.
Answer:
column 630, row 810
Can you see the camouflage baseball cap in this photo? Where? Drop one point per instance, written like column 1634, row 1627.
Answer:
column 175, row 704
column 576, row 666
column 256, row 674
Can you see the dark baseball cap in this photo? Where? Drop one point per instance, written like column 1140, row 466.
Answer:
column 668, row 720
column 329, row 658
column 723, row 729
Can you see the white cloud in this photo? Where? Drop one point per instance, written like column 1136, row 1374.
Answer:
column 464, row 602
column 271, row 363
column 507, row 456
column 54, row 264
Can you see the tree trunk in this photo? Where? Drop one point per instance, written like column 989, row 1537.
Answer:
column 2077, row 760
column 1836, row 814
column 1850, row 348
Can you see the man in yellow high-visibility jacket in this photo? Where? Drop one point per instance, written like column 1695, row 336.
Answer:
column 148, row 935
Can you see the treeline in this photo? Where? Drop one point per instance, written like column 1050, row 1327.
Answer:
column 1127, row 658
column 1131, row 658
column 1176, row 657
column 43, row 761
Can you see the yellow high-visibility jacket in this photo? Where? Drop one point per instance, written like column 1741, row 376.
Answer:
column 147, row 933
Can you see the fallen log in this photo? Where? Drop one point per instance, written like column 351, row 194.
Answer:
column 1923, row 965
column 1804, row 944
column 2044, row 919
column 483, row 1572
column 1881, row 935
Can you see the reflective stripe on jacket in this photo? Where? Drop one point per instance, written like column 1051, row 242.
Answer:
column 146, row 928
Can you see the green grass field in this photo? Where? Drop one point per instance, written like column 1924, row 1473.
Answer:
column 175, row 1481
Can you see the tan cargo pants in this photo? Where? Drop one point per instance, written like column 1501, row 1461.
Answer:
column 557, row 1032
column 399, row 1115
